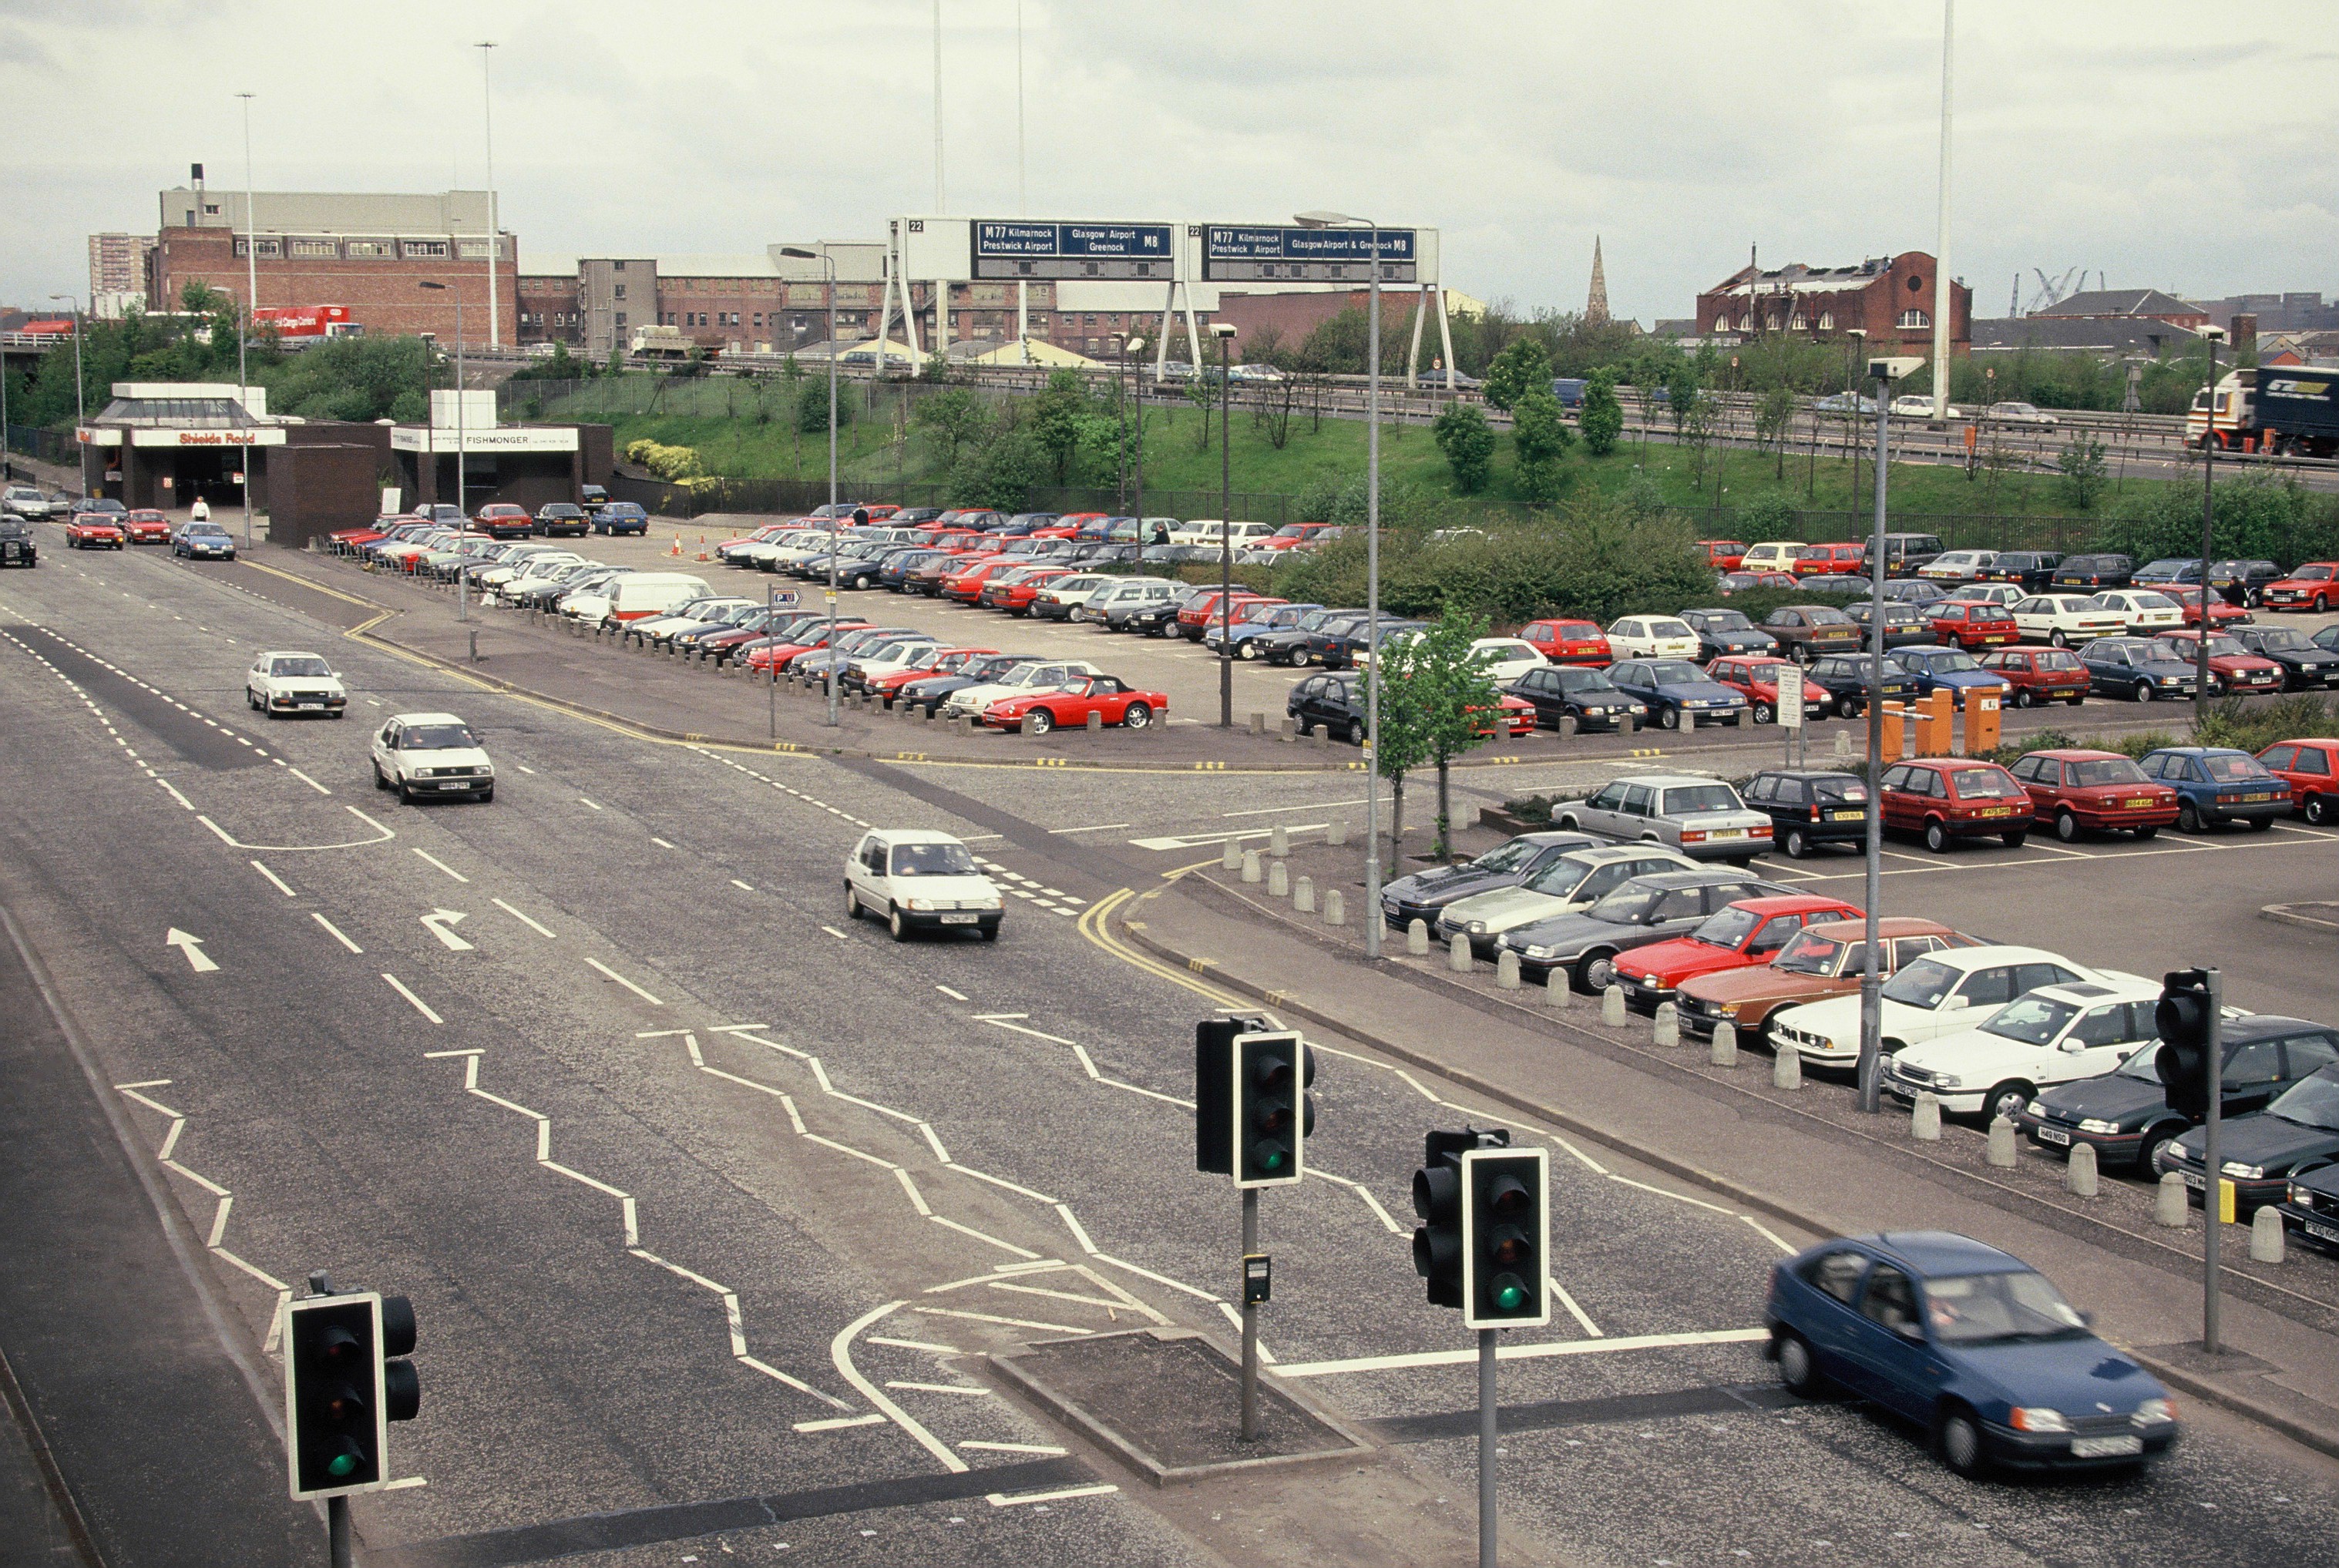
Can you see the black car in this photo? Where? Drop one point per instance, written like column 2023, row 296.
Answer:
column 1904, row 553
column 1158, row 619
column 1904, row 623
column 2169, row 571
column 16, row 546
column 1844, row 678
column 558, row 519
column 1579, row 949
column 898, row 569
column 928, row 694
column 1421, row 895
column 592, row 497
column 2093, row 573
column 2310, row 1212
column 1808, row 807
column 1915, row 591
column 2297, row 1131
column 2244, row 583
column 915, row 516
column 2033, row 570
column 1333, row 627
column 1722, row 632
column 1342, row 652
column 2141, row 668
column 1288, row 644
column 1834, row 585
column 2127, row 1114
column 1336, row 703
column 1562, row 692
column 2304, row 666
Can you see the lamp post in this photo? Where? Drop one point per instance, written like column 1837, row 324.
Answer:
column 2209, row 442
column 81, row 415
column 251, row 306
column 1871, row 977
column 494, row 239
column 462, row 498
column 1134, row 346
column 828, row 261
column 1225, row 333
column 1373, row 921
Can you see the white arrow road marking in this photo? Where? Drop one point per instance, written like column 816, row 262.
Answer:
column 192, row 946
column 440, row 921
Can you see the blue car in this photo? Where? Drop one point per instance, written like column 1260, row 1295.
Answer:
column 2142, row 668
column 2216, row 786
column 204, row 541
column 1969, row 1344
column 1952, row 670
column 1673, row 689
column 621, row 518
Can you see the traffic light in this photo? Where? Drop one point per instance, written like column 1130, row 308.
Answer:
column 1438, row 1200
column 1252, row 1114
column 345, row 1379
column 2184, row 1020
column 1507, row 1237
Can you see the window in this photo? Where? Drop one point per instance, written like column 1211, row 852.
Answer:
column 2314, row 761
column 471, row 250
column 1636, row 801
column 1746, row 323
column 2278, row 758
column 2103, row 1026
column 1889, row 1301
column 1827, row 320
column 1988, row 987
column 211, row 209
column 621, row 317
column 2252, row 1066
column 619, row 292
column 1678, row 904
column 316, row 248
column 1914, row 318
column 423, row 248
column 265, row 247
column 1796, row 323
column 2309, row 1053
column 1837, row 1274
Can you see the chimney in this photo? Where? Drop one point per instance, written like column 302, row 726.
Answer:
column 2245, row 332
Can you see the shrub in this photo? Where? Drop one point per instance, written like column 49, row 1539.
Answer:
column 1602, row 419
column 1467, row 441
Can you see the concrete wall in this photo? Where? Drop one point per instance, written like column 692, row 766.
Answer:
column 314, row 489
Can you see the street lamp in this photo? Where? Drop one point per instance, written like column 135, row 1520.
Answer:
column 462, row 498
column 80, row 415
column 2209, row 441
column 1320, row 220
column 1129, row 350
column 251, row 306
column 1882, row 374
column 828, row 261
column 1225, row 333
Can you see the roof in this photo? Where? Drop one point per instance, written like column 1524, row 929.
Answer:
column 2103, row 334
column 1891, row 925
column 2120, row 302
column 1798, row 278
column 2198, row 752
column 1789, row 903
column 425, row 719
column 1944, row 1254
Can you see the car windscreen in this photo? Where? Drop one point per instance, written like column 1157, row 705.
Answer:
column 2032, row 1019
column 1628, row 905
column 932, row 860
column 437, row 738
column 1673, row 672
column 2311, row 1102
column 207, row 529
column 1725, row 621
column 2000, row 1308
column 2284, row 639
column 1699, row 797
column 1728, row 928
column 2108, row 771
column 2152, row 601
column 1985, row 784
column 1665, row 626
column 1951, row 664
column 1578, row 682
column 1839, row 792
column 1823, row 616
column 2234, row 769
column 1922, row 984
column 1810, row 954
column 315, row 667
column 1508, row 857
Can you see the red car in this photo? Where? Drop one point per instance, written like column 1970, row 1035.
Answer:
column 503, row 520
column 146, row 528
column 1950, row 798
column 779, row 656
column 2315, row 586
column 2074, row 791
column 1015, row 596
column 94, row 531
column 1518, row 717
column 1299, row 536
column 1972, row 624
column 1748, row 933
column 2039, row 675
column 1070, row 707
column 1756, row 678
column 1725, row 554
column 942, row 662
column 2232, row 667
column 965, row 583
column 2311, row 768
column 1830, row 560
column 1564, row 642
column 1202, row 613
column 2221, row 614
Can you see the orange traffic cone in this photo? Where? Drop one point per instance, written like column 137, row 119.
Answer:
column 675, row 548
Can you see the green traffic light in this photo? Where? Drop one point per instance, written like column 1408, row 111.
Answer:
column 341, row 1464
column 1509, row 1295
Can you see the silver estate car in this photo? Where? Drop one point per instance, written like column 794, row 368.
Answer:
column 1702, row 817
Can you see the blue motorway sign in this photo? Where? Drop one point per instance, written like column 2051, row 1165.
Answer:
column 1242, row 252
column 1018, row 248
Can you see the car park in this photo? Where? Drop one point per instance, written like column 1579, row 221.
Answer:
column 1677, row 693
column 2126, row 1115
column 1808, row 807
column 2030, row 571
column 1845, row 679
column 1702, row 817
column 1905, row 553
column 1953, row 567
column 203, row 542
column 2143, row 669
column 556, row 519
column 2304, row 666
column 2074, row 790
column 1109, row 700
column 1758, row 679
column 1652, row 637
column 1971, row 625
column 2310, row 585
column 2093, row 573
column 1824, row 959
column 1578, row 879
column 91, row 529
column 2260, row 1151
column 1952, row 670
column 1569, row 641
column 918, row 880
column 1423, row 894
column 621, row 518
column 17, row 546
column 1905, row 626
column 1938, row 994
column 1748, row 932
column 1947, row 798
column 1809, row 632
column 1723, row 631
column 2056, row 1034
column 1580, row 949
column 2311, row 769
column 431, row 756
column 283, row 683
column 2217, row 785
column 1770, row 555
column 2233, row 669
column 2039, row 675
column 1970, row 1346
column 2064, row 620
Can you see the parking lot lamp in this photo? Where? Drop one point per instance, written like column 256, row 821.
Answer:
column 2209, row 526
column 1224, row 332
column 462, row 504
column 828, row 258
column 1871, row 973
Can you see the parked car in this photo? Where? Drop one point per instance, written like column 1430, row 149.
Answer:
column 1970, row 625
column 2244, row 582
column 2193, row 607
column 1112, row 701
column 927, row 693
column 2039, row 675
column 1562, row 695
column 2327, row 638
column 1423, row 894
column 1946, row 799
column 1953, row 566
column 2094, row 573
column 1808, row 807
column 1824, row 959
column 1844, row 559
column 2233, row 669
column 1939, row 994
column 2216, row 786
column 1333, row 703
column 2064, row 620
column 1722, row 632
column 2056, row 1034
column 1725, row 555
column 1771, row 555
column 2304, row 666
column 2005, row 596
column 1905, row 553
column 1905, row 626
column 621, row 518
column 2126, row 1116
column 1652, row 637
column 1747, row 933
column 1952, row 670
column 1569, row 641
column 2168, row 571
column 559, row 517
column 503, row 520
column 1578, row 879
column 1580, row 949
column 2311, row 769
column 2298, row 1132
column 1845, row 678
column 2144, row 669
column 1729, row 583
column 1702, row 817
column 1028, row 678
column 915, row 879
column 1677, row 693
column 1506, row 659
column 1758, row 680
column 1842, row 587
column 2312, row 586
column 1809, row 632
column 425, row 756
column 2075, row 791
column 2031, row 571
column 1288, row 643
column 25, row 501
column 1969, row 1345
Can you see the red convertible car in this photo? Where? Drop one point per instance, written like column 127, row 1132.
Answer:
column 147, row 528
column 2103, row 791
column 1748, row 933
column 1113, row 702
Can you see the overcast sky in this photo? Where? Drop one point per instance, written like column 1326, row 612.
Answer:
column 2183, row 146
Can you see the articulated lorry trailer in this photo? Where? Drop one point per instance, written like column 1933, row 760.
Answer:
column 2289, row 411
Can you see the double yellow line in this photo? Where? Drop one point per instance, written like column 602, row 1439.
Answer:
column 1095, row 925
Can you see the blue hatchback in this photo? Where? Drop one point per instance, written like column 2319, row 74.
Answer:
column 1952, row 670
column 2217, row 785
column 1970, row 1344
column 621, row 518
column 1675, row 689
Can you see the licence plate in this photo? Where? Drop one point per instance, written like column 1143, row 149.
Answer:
column 2192, row 1179
column 2319, row 1232
column 958, row 919
column 2138, row 804
column 2105, row 1447
column 309, row 705
column 2054, row 1134
column 1847, row 816
column 1727, row 832
column 2257, row 797
column 1999, row 811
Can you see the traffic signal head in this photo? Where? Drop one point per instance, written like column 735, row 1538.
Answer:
column 345, row 1379
column 1437, row 1198
column 1272, row 1113
column 1505, row 1238
column 1214, row 1091
column 2185, row 1020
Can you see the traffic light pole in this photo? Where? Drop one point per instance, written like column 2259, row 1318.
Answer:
column 1486, row 1528
column 1249, row 1322
column 337, row 1531
column 2213, row 1185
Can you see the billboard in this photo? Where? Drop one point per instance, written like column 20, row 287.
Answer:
column 1025, row 247
column 1266, row 252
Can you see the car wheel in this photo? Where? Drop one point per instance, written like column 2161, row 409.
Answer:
column 1850, row 709
column 2188, row 820
column 1799, row 844
column 2322, row 603
column 2261, row 823
column 379, row 780
column 1355, row 732
column 1797, row 1370
column 852, row 902
column 1138, row 716
column 1669, row 719
column 2151, row 832
column 2147, row 1151
column 1937, row 837
column 1247, row 650
column 486, row 795
column 1959, row 1438
column 2015, row 839
column 1039, row 721
column 2057, row 640
column 2022, row 697
column 2066, row 826
column 895, row 924
column 1596, row 972
column 2004, row 1099
column 2317, row 809
column 2143, row 692
column 405, row 793
column 2078, row 700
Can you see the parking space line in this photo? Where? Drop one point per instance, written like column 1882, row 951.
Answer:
column 621, row 980
column 271, row 876
column 442, row 865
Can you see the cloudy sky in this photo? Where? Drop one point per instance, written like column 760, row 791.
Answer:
column 2183, row 146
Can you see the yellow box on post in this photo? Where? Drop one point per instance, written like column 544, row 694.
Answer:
column 1933, row 723
column 1981, row 723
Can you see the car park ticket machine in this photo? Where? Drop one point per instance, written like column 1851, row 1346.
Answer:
column 1981, row 723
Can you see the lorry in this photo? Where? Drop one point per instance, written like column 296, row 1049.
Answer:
column 298, row 325
column 2286, row 411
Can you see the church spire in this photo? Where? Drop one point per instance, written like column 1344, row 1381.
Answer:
column 1595, row 309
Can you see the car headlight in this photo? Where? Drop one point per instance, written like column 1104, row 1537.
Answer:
column 2155, row 1412
column 2095, row 1124
column 2246, row 1172
column 2038, row 1418
column 1540, row 951
column 1476, row 927
column 1948, row 1081
column 918, row 903
column 2300, row 1196
column 1730, row 1009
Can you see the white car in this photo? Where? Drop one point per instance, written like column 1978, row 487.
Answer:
column 1957, row 565
column 1771, row 555
column 2003, row 595
column 1939, row 994
column 2143, row 611
column 2028, row 415
column 1506, row 659
column 494, row 585
column 1576, row 881
column 2054, row 1035
column 1653, row 637
column 916, row 879
column 293, row 683
column 1022, row 680
column 2065, row 620
column 424, row 754
column 1918, row 406
column 656, row 629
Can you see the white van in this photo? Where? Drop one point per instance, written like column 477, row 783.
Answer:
column 637, row 595
column 1206, row 531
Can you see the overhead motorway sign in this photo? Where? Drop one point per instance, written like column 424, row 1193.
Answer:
column 1242, row 252
column 1022, row 248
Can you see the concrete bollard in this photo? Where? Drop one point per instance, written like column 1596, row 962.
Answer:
column 1465, row 818
column 1612, row 1007
column 1303, row 896
column 1278, row 841
column 1687, row 721
column 1787, row 1069
column 1229, row 855
column 2171, row 1209
column 1726, row 1045
column 1258, row 724
column 966, row 723
column 1416, row 937
column 1925, row 1118
column 2001, row 1142
column 1288, row 730
column 1278, row 879
column 1337, row 833
column 2266, row 1235
column 1556, row 992
column 1668, row 1029
column 1335, row 908
column 2080, row 1175
column 1843, row 745
column 1096, row 722
column 1251, row 871
column 1506, row 969
column 1458, row 954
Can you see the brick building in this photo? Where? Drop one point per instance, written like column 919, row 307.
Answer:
column 2127, row 305
column 369, row 251
column 1889, row 298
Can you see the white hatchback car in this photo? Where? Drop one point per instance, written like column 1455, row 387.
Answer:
column 2057, row 1034
column 1939, row 994
column 1652, row 637
column 2065, row 620
column 2145, row 612
column 1023, row 681
column 914, row 879
column 1506, row 659
column 293, row 683
column 421, row 755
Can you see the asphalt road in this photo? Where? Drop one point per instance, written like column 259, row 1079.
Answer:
column 699, row 1186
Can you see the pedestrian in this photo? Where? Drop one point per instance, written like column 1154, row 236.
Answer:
column 1160, row 532
column 201, row 511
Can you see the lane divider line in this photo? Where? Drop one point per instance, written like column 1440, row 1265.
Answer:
column 166, row 1155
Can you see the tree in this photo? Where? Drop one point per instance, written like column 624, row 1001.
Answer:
column 1401, row 740
column 2084, row 473
column 1516, row 371
column 1058, row 416
column 1540, row 438
column 1698, row 427
column 954, row 418
column 1773, row 417
column 1601, row 417
column 1463, row 434
column 811, row 405
column 1450, row 700
column 1681, row 387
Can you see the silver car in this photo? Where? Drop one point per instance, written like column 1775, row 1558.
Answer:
column 1576, row 880
column 1703, row 818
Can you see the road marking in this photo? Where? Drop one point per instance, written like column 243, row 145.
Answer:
column 1049, row 1449
column 836, row 934
column 954, row 995
column 339, row 936
column 1018, row 1322
column 621, row 980
column 525, row 768
column 1524, row 1351
column 742, row 886
column 271, row 875
column 840, row 1353
column 218, row 1213
column 192, row 946
column 441, row 864
column 1094, row 827
column 582, row 801
column 1769, row 1235
column 441, row 922
column 917, row 1345
column 305, row 779
column 419, row 1005
column 517, row 916
column 661, row 843
column 836, row 1422
column 1013, row 1500
column 942, row 1388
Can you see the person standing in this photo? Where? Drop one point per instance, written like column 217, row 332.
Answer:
column 200, row 512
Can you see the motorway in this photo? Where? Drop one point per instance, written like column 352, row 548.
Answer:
column 704, row 1192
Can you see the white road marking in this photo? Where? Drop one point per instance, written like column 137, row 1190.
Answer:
column 836, row 1422
column 621, row 980
column 954, row 995
column 1013, row 1500
column 1049, row 1449
column 836, row 934
column 271, row 876
column 661, row 843
column 1095, row 827
column 441, row 864
column 942, row 1388
column 582, row 801
column 521, row 918
column 305, row 779
column 220, row 1214
column 192, row 947
column 742, row 886
column 1524, row 1351
column 340, row 936
column 916, row 1345
column 840, row 1353
column 441, row 923
column 419, row 1005
column 525, row 768
column 1769, row 1235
